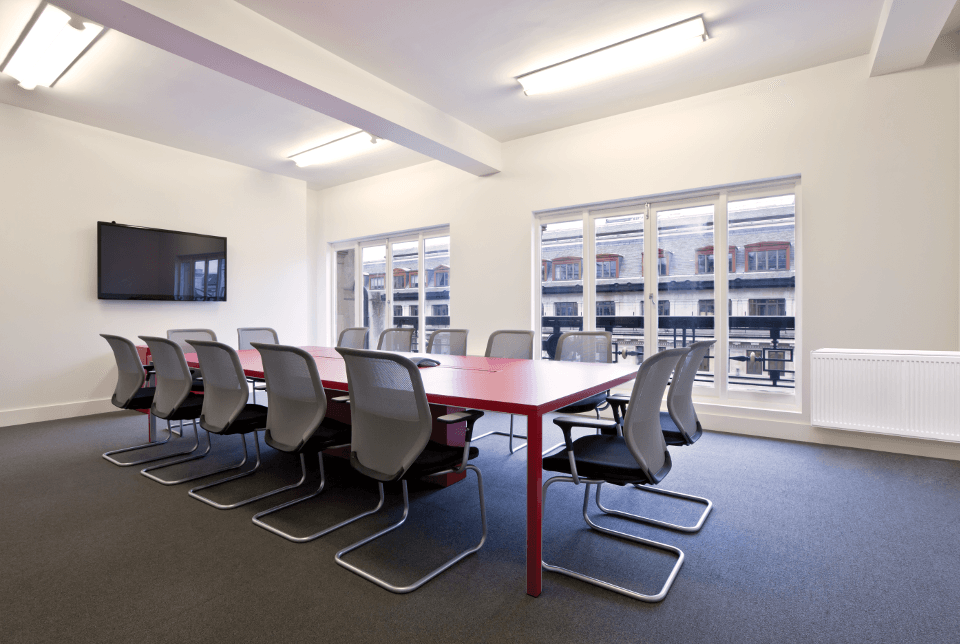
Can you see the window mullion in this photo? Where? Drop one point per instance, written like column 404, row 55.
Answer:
column 589, row 273
column 721, row 290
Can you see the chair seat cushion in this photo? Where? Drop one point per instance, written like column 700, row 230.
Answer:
column 190, row 409
column 331, row 432
column 251, row 418
column 587, row 404
column 142, row 399
column 603, row 457
column 437, row 458
column 672, row 434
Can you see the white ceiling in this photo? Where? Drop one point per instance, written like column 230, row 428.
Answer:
column 126, row 86
column 462, row 56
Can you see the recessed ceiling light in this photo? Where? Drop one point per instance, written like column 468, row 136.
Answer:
column 51, row 45
column 342, row 148
column 622, row 57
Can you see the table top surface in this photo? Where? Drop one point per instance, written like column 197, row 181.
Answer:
column 492, row 384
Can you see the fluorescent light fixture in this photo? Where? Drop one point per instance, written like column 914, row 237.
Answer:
column 622, row 57
column 51, row 45
column 342, row 148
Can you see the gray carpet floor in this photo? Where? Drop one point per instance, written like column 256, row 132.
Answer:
column 805, row 544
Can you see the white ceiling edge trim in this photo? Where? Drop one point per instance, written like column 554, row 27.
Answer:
column 230, row 39
column 906, row 34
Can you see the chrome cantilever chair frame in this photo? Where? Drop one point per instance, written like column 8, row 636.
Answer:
column 653, row 374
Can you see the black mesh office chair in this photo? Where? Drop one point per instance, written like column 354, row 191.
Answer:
column 245, row 338
column 396, row 339
column 640, row 456
column 130, row 393
column 226, row 411
column 296, row 422
column 354, row 338
column 391, row 440
column 451, row 342
column 680, row 427
column 509, row 344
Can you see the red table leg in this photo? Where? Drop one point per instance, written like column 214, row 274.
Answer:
column 534, row 503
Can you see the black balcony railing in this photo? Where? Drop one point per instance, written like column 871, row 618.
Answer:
column 768, row 333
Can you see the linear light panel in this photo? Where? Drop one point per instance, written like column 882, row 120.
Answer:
column 342, row 148
column 51, row 45
column 623, row 57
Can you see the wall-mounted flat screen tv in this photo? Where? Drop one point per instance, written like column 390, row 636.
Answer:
column 135, row 263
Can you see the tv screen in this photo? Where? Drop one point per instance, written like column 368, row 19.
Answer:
column 135, row 263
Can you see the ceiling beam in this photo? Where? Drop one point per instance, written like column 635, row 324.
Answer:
column 906, row 33
column 229, row 38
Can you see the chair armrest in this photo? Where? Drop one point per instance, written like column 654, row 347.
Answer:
column 471, row 416
column 342, row 399
column 618, row 404
column 566, row 425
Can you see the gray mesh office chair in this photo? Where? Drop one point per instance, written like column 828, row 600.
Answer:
column 640, row 456
column 679, row 425
column 296, row 422
column 451, row 342
column 509, row 344
column 354, row 338
column 180, row 336
column 391, row 440
column 174, row 399
column 397, row 339
column 226, row 411
column 130, row 393
column 245, row 337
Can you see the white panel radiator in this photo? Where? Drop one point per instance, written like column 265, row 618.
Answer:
column 902, row 393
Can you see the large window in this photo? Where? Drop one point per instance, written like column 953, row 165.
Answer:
column 388, row 284
column 676, row 239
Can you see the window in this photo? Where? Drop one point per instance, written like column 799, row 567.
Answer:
column 441, row 309
column 663, row 264
column 606, row 308
column 414, row 310
column 399, row 279
column 663, row 307
column 705, row 260
column 705, row 307
column 441, row 276
column 608, row 266
column 545, row 269
column 774, row 306
column 412, row 280
column 565, row 309
column 376, row 282
column 566, row 269
column 397, row 310
column 755, row 363
column 768, row 256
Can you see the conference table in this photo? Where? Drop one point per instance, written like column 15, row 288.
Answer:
column 530, row 388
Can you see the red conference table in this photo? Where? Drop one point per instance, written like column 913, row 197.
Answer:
column 528, row 388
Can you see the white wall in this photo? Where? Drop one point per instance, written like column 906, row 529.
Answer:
column 879, row 164
column 57, row 179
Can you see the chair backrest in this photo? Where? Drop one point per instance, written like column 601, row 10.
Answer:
column 355, row 338
column 130, row 374
column 641, row 425
column 297, row 400
column 263, row 335
column 173, row 376
column 224, row 385
column 452, row 342
column 680, row 395
column 180, row 336
column 390, row 416
column 396, row 339
column 510, row 344
column 585, row 346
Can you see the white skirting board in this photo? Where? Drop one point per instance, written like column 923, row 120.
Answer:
column 9, row 417
column 914, row 394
